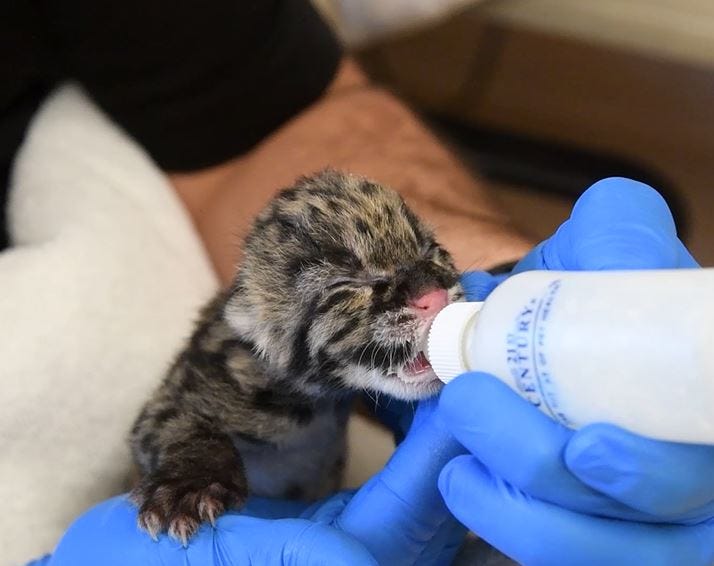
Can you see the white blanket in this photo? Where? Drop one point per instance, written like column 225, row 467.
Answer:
column 95, row 298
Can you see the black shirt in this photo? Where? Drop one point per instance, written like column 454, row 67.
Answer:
column 194, row 82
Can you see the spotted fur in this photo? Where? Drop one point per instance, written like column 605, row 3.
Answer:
column 258, row 401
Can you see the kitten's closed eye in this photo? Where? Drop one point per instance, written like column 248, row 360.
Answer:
column 365, row 280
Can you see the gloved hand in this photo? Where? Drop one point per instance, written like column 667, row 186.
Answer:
column 398, row 517
column 544, row 494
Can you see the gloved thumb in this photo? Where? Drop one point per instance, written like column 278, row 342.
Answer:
column 616, row 224
column 398, row 511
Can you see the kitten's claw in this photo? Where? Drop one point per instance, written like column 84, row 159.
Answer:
column 180, row 507
column 210, row 503
column 209, row 510
column 151, row 523
column 182, row 528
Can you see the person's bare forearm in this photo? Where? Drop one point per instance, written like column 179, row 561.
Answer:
column 362, row 129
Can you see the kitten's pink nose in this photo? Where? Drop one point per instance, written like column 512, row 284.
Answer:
column 430, row 302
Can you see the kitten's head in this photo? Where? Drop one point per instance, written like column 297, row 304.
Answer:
column 338, row 286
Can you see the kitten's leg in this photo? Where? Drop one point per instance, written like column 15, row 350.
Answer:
column 195, row 477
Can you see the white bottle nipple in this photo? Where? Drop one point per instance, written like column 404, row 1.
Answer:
column 446, row 352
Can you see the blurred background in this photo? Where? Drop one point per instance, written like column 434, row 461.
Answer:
column 542, row 97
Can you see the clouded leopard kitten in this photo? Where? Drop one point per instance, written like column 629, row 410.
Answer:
column 337, row 288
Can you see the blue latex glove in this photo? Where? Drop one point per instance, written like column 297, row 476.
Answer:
column 544, row 494
column 398, row 517
column 616, row 224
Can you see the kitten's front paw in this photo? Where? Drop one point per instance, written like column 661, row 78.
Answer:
column 179, row 506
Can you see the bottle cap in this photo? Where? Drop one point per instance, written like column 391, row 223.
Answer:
column 446, row 339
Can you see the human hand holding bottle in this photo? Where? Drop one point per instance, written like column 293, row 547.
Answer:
column 544, row 494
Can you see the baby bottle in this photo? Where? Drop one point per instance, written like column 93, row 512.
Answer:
column 633, row 348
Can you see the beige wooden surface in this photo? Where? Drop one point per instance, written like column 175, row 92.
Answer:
column 681, row 30
column 656, row 112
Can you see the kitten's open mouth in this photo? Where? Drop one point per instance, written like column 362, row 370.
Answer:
column 416, row 372
column 417, row 366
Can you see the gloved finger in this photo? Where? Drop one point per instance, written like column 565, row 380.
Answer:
column 327, row 510
column 478, row 285
column 665, row 479
column 534, row 532
column 443, row 547
column 108, row 535
column 399, row 510
column 616, row 224
column 440, row 549
column 238, row 539
column 521, row 444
